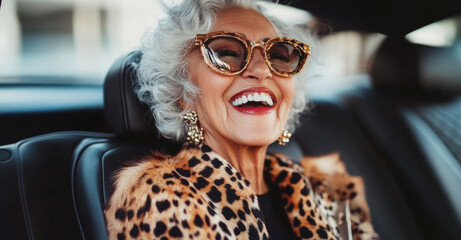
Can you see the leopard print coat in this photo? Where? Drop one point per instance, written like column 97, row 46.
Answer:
column 198, row 195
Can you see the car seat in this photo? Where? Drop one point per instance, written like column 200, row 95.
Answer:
column 35, row 196
column 392, row 116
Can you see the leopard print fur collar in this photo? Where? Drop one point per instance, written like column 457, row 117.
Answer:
column 199, row 195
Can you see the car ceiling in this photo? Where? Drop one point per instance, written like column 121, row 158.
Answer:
column 390, row 17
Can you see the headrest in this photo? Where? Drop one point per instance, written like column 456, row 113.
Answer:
column 440, row 66
column 401, row 67
column 395, row 66
column 123, row 111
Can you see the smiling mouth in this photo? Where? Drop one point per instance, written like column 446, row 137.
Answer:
column 256, row 100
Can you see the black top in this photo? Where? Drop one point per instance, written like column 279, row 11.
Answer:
column 275, row 217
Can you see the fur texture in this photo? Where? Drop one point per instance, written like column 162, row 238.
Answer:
column 199, row 195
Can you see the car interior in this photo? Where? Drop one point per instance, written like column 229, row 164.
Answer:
column 60, row 149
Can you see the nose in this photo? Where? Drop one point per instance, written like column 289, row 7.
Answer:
column 257, row 67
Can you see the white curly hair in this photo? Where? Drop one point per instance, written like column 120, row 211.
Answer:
column 163, row 78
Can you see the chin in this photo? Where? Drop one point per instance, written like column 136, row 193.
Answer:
column 257, row 139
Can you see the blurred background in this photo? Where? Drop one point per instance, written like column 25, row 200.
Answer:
column 78, row 40
column 66, row 37
column 403, row 126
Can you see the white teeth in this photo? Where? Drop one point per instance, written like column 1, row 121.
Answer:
column 269, row 101
column 262, row 97
column 244, row 99
column 254, row 97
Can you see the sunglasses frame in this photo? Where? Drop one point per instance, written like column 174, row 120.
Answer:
column 202, row 39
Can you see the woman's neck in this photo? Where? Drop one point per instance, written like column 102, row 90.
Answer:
column 249, row 161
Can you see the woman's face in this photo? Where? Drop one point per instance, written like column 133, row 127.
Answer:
column 247, row 125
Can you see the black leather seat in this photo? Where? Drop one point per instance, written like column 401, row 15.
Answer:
column 96, row 160
column 96, row 163
column 35, row 196
column 49, row 183
column 328, row 128
column 382, row 113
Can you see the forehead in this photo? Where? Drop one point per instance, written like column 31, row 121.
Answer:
column 243, row 20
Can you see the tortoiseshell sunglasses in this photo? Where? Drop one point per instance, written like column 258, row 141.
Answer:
column 229, row 53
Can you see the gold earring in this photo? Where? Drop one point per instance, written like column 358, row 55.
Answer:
column 194, row 133
column 284, row 137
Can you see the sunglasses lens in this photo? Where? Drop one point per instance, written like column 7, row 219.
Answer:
column 284, row 57
column 227, row 54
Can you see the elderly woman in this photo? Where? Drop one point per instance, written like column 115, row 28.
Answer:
column 223, row 78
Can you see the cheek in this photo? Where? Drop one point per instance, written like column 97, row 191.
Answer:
column 212, row 86
column 194, row 68
column 212, row 95
column 290, row 89
column 211, row 100
column 287, row 87
column 201, row 78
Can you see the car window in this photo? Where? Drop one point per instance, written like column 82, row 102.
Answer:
column 443, row 33
column 69, row 38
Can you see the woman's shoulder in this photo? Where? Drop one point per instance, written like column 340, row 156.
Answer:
column 153, row 171
column 329, row 170
column 326, row 173
column 333, row 186
column 141, row 189
column 159, row 191
column 163, row 173
column 329, row 164
column 133, row 179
